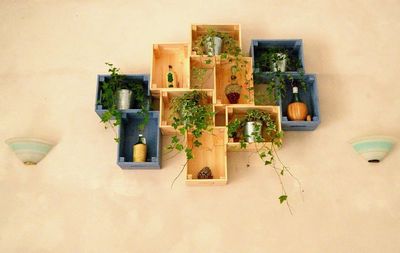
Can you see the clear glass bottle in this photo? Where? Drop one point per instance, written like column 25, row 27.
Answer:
column 171, row 78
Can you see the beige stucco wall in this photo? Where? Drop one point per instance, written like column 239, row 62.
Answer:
column 78, row 200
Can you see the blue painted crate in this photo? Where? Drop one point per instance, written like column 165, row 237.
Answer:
column 140, row 78
column 258, row 46
column 308, row 96
column 128, row 136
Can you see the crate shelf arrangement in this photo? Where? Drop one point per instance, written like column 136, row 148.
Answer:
column 128, row 135
column 139, row 78
column 210, row 74
column 165, row 55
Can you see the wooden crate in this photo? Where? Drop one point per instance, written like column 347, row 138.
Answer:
column 310, row 98
column 257, row 47
column 239, row 111
column 174, row 54
column 212, row 153
column 220, row 116
column 197, row 30
column 223, row 75
column 206, row 65
column 165, row 103
column 143, row 79
column 128, row 136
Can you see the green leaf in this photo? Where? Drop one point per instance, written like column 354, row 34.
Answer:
column 267, row 162
column 243, row 144
column 179, row 147
column 189, row 154
column 196, row 143
column 282, row 198
column 175, row 139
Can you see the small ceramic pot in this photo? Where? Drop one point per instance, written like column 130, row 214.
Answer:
column 297, row 111
column 373, row 148
column 30, row 150
column 251, row 130
column 279, row 65
column 213, row 46
column 124, row 97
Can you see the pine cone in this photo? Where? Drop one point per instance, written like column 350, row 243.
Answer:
column 205, row 173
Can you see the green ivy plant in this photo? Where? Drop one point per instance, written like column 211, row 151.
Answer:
column 229, row 44
column 266, row 144
column 277, row 80
column 191, row 113
column 112, row 116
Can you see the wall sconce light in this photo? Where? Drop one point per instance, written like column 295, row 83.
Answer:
column 30, row 150
column 373, row 148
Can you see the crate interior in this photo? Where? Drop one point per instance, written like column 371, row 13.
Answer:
column 202, row 72
column 129, row 134
column 220, row 117
column 307, row 96
column 212, row 153
column 200, row 30
column 128, row 79
column 175, row 55
column 166, row 102
column 261, row 96
column 223, row 78
column 240, row 112
column 294, row 48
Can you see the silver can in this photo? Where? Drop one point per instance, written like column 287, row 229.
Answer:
column 124, row 99
column 280, row 65
column 250, row 131
column 213, row 46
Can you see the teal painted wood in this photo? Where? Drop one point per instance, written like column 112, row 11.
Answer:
column 128, row 136
column 140, row 78
column 308, row 96
column 258, row 46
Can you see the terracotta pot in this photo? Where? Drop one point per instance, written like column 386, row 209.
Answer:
column 297, row 111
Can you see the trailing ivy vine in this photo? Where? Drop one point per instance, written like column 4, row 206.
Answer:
column 112, row 116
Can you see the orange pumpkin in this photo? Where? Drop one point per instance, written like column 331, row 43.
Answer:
column 297, row 111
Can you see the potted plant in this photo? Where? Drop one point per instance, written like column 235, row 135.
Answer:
column 191, row 113
column 117, row 94
column 276, row 59
column 210, row 43
column 259, row 127
column 214, row 43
